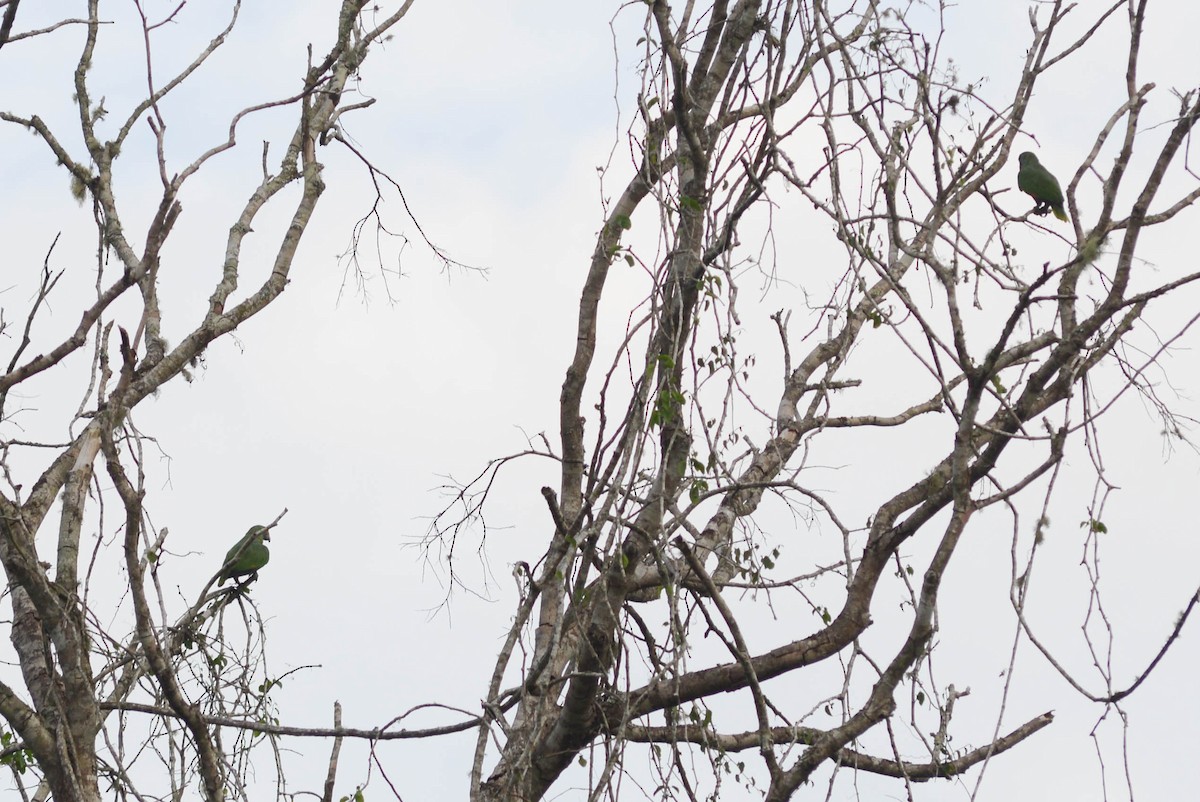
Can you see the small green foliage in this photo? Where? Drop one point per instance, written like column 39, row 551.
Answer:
column 712, row 285
column 357, row 796
column 666, row 403
column 266, row 685
column 702, row 719
column 691, row 204
column 623, row 222
column 18, row 760
column 664, row 363
column 1093, row 525
column 751, row 563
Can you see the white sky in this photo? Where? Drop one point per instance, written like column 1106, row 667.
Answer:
column 494, row 117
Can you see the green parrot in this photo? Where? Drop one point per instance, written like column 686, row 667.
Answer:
column 1037, row 182
column 247, row 556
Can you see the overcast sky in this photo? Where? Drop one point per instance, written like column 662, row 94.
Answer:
column 349, row 406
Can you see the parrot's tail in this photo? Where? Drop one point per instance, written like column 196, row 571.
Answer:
column 1060, row 214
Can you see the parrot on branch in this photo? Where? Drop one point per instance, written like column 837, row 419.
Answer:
column 1037, row 182
column 247, row 556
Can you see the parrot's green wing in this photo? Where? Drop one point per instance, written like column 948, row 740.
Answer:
column 247, row 556
column 1038, row 183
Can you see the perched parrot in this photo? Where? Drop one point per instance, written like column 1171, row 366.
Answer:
column 247, row 556
column 1037, row 182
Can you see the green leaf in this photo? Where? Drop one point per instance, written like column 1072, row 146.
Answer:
column 19, row 760
column 622, row 221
